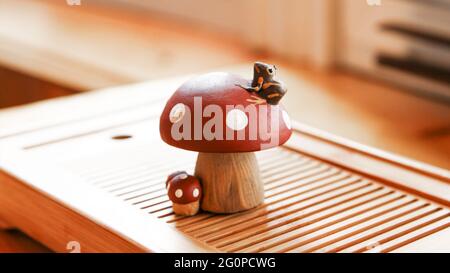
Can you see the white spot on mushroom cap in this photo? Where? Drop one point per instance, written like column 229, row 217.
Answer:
column 183, row 176
column 195, row 192
column 287, row 120
column 177, row 112
column 179, row 193
column 237, row 119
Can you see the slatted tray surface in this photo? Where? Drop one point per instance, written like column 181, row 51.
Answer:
column 319, row 196
column 310, row 206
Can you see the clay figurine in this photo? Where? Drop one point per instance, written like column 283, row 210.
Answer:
column 213, row 115
column 264, row 84
column 185, row 192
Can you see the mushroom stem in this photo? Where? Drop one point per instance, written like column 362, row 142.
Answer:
column 188, row 209
column 230, row 181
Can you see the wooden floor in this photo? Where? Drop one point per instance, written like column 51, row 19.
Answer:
column 346, row 104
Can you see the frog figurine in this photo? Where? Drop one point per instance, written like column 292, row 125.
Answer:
column 264, row 85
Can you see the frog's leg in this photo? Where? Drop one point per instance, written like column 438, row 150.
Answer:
column 273, row 95
column 256, row 88
column 249, row 89
column 256, row 100
column 269, row 84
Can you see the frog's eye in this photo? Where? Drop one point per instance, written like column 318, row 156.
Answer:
column 270, row 70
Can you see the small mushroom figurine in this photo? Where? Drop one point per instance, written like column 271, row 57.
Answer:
column 226, row 119
column 184, row 191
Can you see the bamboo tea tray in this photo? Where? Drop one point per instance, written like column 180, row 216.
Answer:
column 91, row 169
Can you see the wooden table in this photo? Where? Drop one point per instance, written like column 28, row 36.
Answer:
column 89, row 171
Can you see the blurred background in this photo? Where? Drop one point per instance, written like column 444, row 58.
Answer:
column 373, row 71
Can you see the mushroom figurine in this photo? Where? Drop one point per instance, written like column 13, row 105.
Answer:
column 184, row 191
column 226, row 119
column 172, row 176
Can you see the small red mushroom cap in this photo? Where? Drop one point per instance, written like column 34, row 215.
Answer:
column 184, row 189
column 172, row 176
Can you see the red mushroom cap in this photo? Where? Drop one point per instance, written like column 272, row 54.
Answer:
column 172, row 176
column 222, row 90
column 184, row 188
